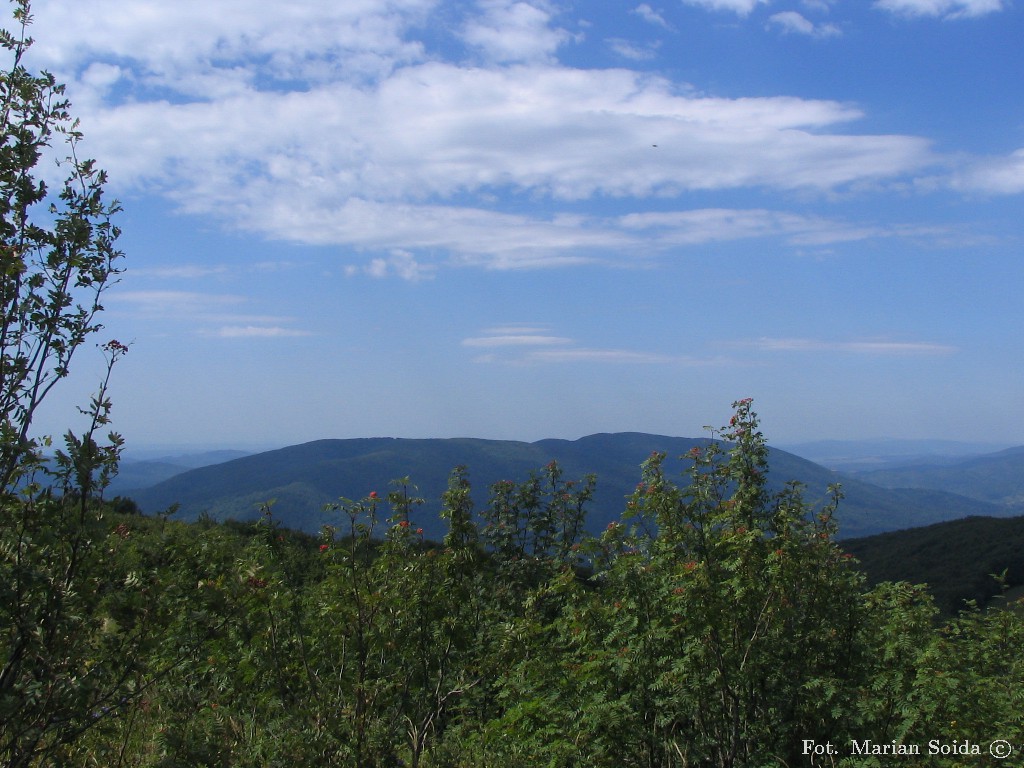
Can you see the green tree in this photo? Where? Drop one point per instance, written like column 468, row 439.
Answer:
column 720, row 628
column 64, row 661
column 57, row 247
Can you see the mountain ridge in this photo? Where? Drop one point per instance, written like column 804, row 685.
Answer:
column 301, row 479
column 857, row 456
column 996, row 477
column 134, row 474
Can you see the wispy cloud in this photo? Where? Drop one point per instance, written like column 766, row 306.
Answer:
column 739, row 7
column 195, row 271
column 469, row 236
column 791, row 22
column 865, row 347
column 634, row 51
column 181, row 271
column 205, row 314
column 708, row 225
column 1001, row 176
column 616, row 357
column 175, row 303
column 399, row 263
column 516, row 329
column 517, row 337
column 648, row 14
column 819, row 6
column 514, row 340
column 526, row 345
column 950, row 9
column 495, row 240
column 257, row 332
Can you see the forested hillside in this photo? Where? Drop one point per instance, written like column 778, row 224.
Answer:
column 301, row 479
column 961, row 560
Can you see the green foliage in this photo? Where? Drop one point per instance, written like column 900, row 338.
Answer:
column 74, row 624
column 57, row 253
column 720, row 631
column 717, row 623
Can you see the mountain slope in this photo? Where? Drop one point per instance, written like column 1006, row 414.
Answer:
column 956, row 559
column 143, row 473
column 301, row 479
column 996, row 477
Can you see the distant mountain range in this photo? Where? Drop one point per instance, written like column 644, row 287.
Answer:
column 301, row 479
column 997, row 477
column 857, row 456
column 135, row 474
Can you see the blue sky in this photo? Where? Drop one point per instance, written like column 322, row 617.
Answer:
column 547, row 218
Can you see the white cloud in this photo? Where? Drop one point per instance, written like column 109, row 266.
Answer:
column 472, row 237
column 302, row 165
column 633, row 51
column 401, row 264
column 794, row 23
column 739, row 7
column 101, row 76
column 950, row 9
column 1002, row 176
column 511, row 31
column 178, row 43
column 377, row 268
column 476, row 237
column 708, row 225
column 648, row 14
column 270, row 118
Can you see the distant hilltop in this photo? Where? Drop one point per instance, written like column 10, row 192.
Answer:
column 301, row 479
